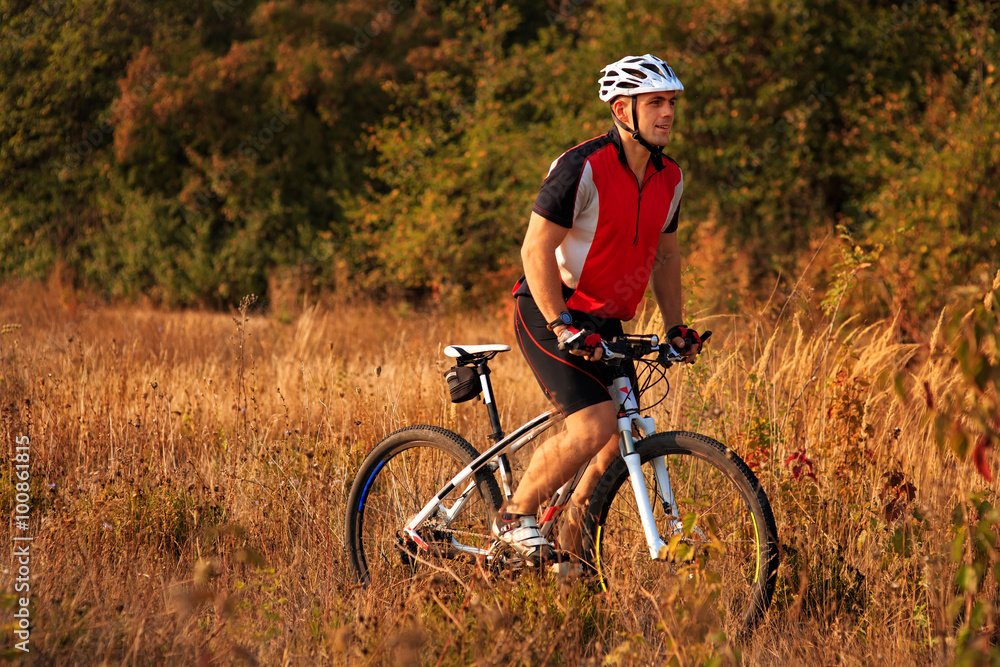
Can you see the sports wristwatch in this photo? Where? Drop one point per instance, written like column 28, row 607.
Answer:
column 564, row 319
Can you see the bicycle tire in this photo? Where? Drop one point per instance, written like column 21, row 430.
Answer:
column 723, row 568
column 400, row 475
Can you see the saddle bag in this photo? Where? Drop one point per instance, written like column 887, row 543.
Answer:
column 463, row 383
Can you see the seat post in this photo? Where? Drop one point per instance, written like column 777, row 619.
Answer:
column 483, row 368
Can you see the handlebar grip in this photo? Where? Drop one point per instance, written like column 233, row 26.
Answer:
column 705, row 336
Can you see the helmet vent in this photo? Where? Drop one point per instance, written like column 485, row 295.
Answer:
column 633, row 75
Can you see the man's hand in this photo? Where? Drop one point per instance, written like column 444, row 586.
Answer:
column 686, row 341
column 581, row 342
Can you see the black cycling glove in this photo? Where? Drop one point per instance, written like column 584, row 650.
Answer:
column 689, row 335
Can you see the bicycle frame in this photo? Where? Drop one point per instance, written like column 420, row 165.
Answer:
column 624, row 398
column 499, row 451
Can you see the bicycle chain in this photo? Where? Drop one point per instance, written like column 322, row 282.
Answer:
column 462, row 532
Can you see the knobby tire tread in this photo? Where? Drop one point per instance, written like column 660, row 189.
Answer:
column 615, row 481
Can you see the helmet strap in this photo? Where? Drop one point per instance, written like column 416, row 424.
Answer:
column 655, row 151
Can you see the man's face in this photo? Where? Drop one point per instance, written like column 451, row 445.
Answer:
column 656, row 116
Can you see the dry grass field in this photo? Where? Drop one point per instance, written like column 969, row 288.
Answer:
column 189, row 474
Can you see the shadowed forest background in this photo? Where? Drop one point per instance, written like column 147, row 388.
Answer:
column 367, row 169
column 189, row 153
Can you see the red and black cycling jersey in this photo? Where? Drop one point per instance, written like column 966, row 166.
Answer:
column 614, row 223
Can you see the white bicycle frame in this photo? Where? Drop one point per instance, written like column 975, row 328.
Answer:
column 629, row 416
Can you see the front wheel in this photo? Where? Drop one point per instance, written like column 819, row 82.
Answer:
column 397, row 479
column 723, row 555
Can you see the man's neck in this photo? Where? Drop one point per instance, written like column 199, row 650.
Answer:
column 636, row 155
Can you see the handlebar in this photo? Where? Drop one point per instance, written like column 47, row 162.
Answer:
column 631, row 346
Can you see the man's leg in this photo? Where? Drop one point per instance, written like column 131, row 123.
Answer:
column 570, row 539
column 557, row 460
column 592, row 475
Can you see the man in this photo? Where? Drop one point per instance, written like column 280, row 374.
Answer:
column 604, row 224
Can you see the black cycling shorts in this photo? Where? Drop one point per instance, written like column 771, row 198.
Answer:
column 569, row 380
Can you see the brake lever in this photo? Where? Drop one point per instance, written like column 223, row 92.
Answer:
column 610, row 353
column 671, row 356
column 668, row 355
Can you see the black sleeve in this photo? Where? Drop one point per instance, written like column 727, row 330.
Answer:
column 556, row 200
column 672, row 226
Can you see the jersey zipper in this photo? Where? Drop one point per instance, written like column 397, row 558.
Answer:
column 638, row 206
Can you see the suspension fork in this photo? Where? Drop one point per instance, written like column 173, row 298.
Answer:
column 628, row 415
column 663, row 488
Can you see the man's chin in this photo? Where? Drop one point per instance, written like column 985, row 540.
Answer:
column 661, row 139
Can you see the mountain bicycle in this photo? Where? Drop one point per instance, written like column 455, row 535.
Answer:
column 692, row 521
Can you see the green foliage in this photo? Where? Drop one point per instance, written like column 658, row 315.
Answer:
column 184, row 151
column 966, row 419
column 448, row 201
column 935, row 213
column 785, row 129
column 759, row 437
column 853, row 259
column 975, row 552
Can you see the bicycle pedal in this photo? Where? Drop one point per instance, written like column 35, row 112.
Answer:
column 496, row 550
column 501, row 557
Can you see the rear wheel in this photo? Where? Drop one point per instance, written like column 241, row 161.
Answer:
column 397, row 479
column 722, row 537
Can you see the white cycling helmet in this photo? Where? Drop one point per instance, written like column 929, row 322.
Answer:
column 634, row 75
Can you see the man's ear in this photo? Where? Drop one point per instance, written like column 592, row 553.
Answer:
column 620, row 108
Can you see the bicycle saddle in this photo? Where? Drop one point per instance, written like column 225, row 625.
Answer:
column 466, row 351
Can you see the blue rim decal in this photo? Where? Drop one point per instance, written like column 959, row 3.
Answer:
column 364, row 494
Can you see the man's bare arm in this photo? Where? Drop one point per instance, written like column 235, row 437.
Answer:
column 538, row 254
column 666, row 280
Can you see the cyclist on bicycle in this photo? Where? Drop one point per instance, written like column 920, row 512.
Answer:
column 603, row 226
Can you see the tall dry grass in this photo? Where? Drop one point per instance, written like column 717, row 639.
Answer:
column 189, row 473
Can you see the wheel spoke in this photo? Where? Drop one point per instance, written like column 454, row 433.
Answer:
column 404, row 473
column 714, row 576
